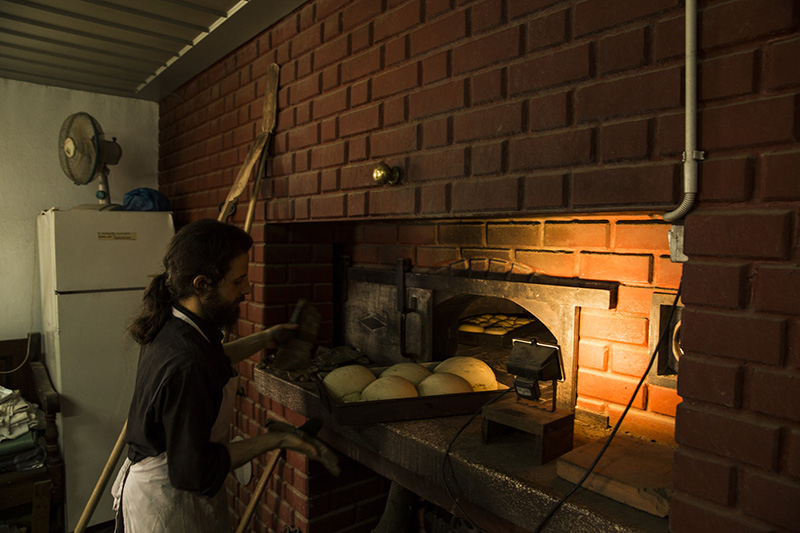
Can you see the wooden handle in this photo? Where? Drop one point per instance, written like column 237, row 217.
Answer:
column 240, row 183
column 262, row 483
column 251, row 208
column 91, row 505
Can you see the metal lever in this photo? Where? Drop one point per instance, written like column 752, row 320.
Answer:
column 400, row 280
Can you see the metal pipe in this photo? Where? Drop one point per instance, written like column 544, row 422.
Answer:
column 690, row 155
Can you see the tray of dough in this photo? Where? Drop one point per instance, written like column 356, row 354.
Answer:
column 495, row 330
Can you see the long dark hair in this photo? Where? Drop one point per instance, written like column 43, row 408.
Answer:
column 202, row 248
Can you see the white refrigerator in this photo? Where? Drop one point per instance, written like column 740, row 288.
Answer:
column 94, row 267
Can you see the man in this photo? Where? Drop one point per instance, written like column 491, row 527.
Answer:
column 178, row 449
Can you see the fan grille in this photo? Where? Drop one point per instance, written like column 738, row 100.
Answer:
column 78, row 147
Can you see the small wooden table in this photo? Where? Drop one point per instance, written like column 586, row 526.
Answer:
column 551, row 432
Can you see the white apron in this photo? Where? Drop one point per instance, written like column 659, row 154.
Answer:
column 149, row 502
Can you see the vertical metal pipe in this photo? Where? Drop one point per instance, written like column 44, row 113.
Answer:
column 690, row 155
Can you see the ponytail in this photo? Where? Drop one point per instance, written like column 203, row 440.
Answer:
column 156, row 308
column 202, row 248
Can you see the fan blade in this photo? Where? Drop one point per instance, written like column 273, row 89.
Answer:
column 78, row 147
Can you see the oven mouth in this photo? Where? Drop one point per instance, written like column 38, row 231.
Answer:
column 395, row 316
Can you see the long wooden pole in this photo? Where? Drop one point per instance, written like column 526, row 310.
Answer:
column 262, row 483
column 97, row 493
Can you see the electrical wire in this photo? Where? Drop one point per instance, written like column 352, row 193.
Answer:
column 589, row 470
column 25, row 360
column 446, row 458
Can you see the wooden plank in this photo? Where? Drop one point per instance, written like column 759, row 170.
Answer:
column 632, row 471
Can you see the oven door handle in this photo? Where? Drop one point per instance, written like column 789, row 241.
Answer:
column 403, row 316
column 401, row 267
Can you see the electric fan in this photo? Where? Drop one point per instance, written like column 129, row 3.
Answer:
column 85, row 154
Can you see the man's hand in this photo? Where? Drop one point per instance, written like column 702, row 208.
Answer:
column 278, row 334
column 304, row 442
column 282, row 435
column 242, row 348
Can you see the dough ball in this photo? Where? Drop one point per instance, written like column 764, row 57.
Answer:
column 443, row 383
column 346, row 382
column 389, row 388
column 413, row 372
column 479, row 375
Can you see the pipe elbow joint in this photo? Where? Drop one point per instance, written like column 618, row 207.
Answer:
column 683, row 209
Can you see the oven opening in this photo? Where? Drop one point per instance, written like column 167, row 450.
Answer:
column 486, row 328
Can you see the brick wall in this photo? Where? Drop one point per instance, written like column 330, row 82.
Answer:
column 540, row 112
column 291, row 262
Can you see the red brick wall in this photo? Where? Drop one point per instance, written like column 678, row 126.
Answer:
column 529, row 108
column 287, row 263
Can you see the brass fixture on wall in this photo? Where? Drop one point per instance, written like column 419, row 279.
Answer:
column 386, row 175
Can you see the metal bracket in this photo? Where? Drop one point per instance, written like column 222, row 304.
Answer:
column 697, row 155
column 676, row 254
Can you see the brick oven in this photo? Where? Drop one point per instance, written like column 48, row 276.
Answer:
column 536, row 139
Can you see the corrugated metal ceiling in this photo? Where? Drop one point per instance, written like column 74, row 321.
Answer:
column 141, row 49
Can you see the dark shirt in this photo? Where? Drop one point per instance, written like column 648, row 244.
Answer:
column 179, row 387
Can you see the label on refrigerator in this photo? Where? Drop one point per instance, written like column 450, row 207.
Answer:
column 116, row 235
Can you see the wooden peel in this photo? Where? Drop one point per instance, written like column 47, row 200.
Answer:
column 257, row 152
column 268, row 129
column 296, row 352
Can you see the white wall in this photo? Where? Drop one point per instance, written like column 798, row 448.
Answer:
column 31, row 178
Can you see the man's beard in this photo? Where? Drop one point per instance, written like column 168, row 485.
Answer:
column 223, row 315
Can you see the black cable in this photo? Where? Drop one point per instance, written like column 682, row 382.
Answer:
column 446, row 458
column 589, row 470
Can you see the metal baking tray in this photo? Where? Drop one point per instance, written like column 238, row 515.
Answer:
column 499, row 341
column 377, row 411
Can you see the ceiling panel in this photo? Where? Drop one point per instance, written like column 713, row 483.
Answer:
column 68, row 64
column 82, row 40
column 143, row 49
column 200, row 14
column 162, row 17
column 63, row 73
column 142, row 35
column 59, row 51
